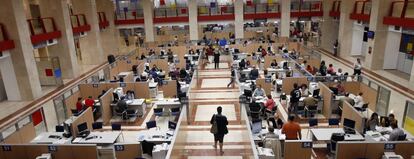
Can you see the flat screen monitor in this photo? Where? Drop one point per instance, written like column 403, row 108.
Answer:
column 348, row 123
column 247, row 93
column 151, row 124
column 82, row 127
column 316, row 93
column 172, row 125
column 334, row 90
column 256, row 126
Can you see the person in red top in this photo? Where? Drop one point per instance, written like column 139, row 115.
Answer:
column 89, row 102
column 79, row 104
column 292, row 129
column 270, row 103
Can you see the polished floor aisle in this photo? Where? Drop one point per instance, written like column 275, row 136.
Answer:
column 194, row 139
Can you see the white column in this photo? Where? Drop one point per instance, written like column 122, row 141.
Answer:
column 285, row 18
column 345, row 28
column 239, row 19
column 375, row 59
column 9, row 79
column 329, row 27
column 148, row 6
column 192, row 19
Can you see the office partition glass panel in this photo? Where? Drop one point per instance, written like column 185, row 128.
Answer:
column 383, row 101
column 408, row 120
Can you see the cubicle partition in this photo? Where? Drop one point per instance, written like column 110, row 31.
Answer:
column 298, row 149
column 85, row 117
column 346, row 150
column 266, row 84
column 269, row 59
column 327, row 96
column 106, row 100
column 61, row 151
column 288, row 82
column 23, row 135
column 141, row 89
column 351, row 113
column 161, row 64
column 169, row 88
column 128, row 150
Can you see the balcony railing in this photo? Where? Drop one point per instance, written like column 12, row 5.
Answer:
column 43, row 29
column 129, row 17
column 218, row 10
column 79, row 23
column 171, row 12
column 336, row 9
column 362, row 11
column 5, row 42
column 306, row 9
column 401, row 14
column 262, row 8
column 103, row 22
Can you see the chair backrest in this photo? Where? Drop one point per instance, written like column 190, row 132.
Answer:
column 313, row 122
column 300, row 108
column 59, row 128
column 97, row 125
column 116, row 126
column 151, row 124
column 157, row 110
column 312, row 107
column 402, row 137
column 333, row 121
column 175, row 109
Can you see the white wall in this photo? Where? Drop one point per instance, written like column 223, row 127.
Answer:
column 357, row 36
column 391, row 50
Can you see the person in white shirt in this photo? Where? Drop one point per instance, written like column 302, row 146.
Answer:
column 396, row 132
column 150, row 79
column 359, row 101
column 357, row 67
column 259, row 91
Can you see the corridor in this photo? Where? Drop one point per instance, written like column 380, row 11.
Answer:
column 194, row 138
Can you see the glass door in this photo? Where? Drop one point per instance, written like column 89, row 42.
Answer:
column 408, row 120
column 383, row 101
column 60, row 109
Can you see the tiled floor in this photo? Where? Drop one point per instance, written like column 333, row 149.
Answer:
column 195, row 140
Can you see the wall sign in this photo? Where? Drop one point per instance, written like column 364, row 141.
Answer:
column 122, row 84
column 52, row 148
column 6, row 148
column 307, row 145
column 119, row 148
column 95, row 85
column 389, row 146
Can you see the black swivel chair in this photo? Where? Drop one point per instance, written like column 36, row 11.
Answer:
column 60, row 128
column 312, row 110
column 335, row 138
column 402, row 137
column 97, row 125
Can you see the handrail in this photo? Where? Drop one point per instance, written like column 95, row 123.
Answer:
column 136, row 14
column 222, row 11
column 258, row 5
column 303, row 4
column 41, row 21
column 179, row 11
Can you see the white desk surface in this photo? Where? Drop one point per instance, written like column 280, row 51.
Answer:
column 377, row 136
column 108, row 137
column 152, row 85
column 324, row 134
column 167, row 102
column 43, row 138
column 124, row 73
column 147, row 135
column 258, row 136
column 136, row 102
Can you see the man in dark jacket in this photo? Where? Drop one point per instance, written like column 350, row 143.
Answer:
column 221, row 122
column 216, row 59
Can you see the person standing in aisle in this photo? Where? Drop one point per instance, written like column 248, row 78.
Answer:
column 216, row 59
column 357, row 67
column 233, row 76
column 219, row 128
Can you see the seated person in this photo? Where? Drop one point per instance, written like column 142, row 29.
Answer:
column 254, row 73
column 248, row 63
column 170, row 56
column 102, row 93
column 259, row 91
column 260, row 48
column 79, row 105
column 130, row 95
column 304, row 64
column 191, row 51
column 331, row 70
column 151, row 79
column 89, row 102
column 274, row 64
column 304, row 90
column 122, row 106
column 310, row 101
column 341, row 88
column 143, row 57
column 347, row 99
column 372, row 122
column 183, row 73
column 154, row 68
column 270, row 104
column 271, row 134
column 309, row 69
column 359, row 101
column 242, row 64
column 386, row 122
column 396, row 132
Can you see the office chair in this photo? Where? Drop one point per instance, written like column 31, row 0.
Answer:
column 122, row 113
column 313, row 123
column 117, row 127
column 402, row 137
column 312, row 109
column 158, row 112
column 333, row 122
column 300, row 110
column 97, row 125
column 335, row 138
column 175, row 111
column 60, row 128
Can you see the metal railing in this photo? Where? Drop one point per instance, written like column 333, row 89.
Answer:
column 170, row 12
column 218, row 10
column 103, row 22
column 399, row 9
column 262, row 8
column 3, row 33
column 41, row 25
column 362, row 7
column 306, row 6
column 336, row 7
column 133, row 14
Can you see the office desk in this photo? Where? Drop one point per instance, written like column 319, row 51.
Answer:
column 167, row 102
column 43, row 138
column 138, row 104
column 153, row 88
column 102, row 138
column 324, row 134
column 155, row 136
column 377, row 136
column 123, row 74
column 259, row 136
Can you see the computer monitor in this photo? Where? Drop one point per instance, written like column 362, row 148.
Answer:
column 334, row 90
column 236, row 51
column 172, row 125
column 315, row 93
column 256, row 126
column 75, row 112
column 151, row 124
column 348, row 123
column 247, row 93
column 82, row 127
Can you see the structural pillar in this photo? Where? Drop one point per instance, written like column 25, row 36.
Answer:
column 329, row 27
column 148, row 6
column 374, row 58
column 345, row 28
column 65, row 49
column 12, row 15
column 239, row 19
column 110, row 35
column 192, row 19
column 285, row 18
column 90, row 45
